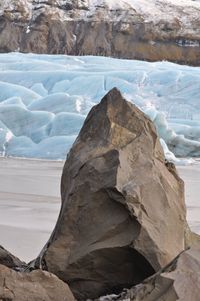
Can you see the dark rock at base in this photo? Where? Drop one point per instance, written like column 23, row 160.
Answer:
column 9, row 260
column 123, row 213
column 178, row 281
column 34, row 286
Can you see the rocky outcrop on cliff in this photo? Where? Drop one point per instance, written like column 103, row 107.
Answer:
column 141, row 29
column 34, row 286
column 123, row 214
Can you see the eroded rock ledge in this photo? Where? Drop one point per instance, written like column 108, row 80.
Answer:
column 160, row 30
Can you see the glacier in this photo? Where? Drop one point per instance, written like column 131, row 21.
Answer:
column 44, row 100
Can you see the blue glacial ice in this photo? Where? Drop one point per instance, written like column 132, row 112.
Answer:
column 44, row 100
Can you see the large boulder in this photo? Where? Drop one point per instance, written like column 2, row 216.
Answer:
column 123, row 214
column 35, row 286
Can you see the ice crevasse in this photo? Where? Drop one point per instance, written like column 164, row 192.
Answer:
column 44, row 100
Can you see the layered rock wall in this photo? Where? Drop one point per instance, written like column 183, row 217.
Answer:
column 168, row 31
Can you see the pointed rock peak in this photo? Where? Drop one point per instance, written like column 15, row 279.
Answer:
column 112, row 97
column 115, row 121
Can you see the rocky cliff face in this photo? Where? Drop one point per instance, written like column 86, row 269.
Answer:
column 123, row 212
column 155, row 30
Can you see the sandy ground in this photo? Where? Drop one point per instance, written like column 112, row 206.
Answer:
column 30, row 202
column 191, row 176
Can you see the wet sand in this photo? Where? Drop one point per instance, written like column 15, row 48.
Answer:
column 30, row 202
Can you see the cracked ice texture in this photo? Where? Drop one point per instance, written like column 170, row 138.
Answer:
column 44, row 100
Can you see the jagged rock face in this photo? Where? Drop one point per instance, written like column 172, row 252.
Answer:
column 158, row 30
column 7, row 259
column 123, row 210
column 35, row 286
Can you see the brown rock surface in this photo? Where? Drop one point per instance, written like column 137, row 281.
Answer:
column 123, row 210
column 35, row 286
column 167, row 30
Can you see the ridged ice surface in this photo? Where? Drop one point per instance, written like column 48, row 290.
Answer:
column 44, row 100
